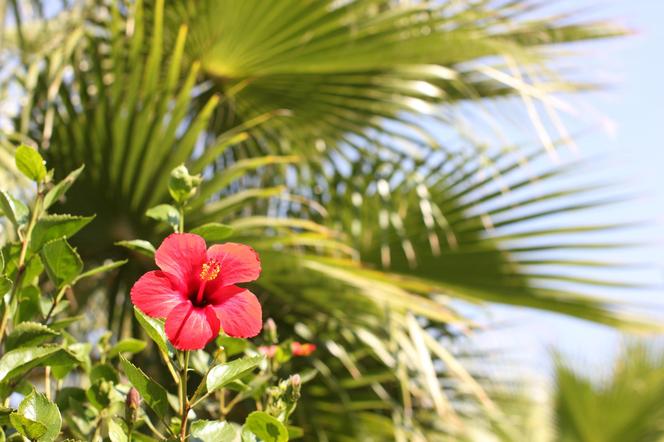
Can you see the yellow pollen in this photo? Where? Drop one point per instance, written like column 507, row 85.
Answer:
column 210, row 270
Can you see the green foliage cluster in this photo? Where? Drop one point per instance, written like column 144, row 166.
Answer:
column 91, row 390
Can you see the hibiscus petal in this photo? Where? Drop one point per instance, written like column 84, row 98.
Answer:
column 238, row 310
column 239, row 263
column 156, row 293
column 190, row 328
column 182, row 255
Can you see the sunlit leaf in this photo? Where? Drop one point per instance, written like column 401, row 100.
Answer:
column 225, row 373
column 266, row 427
column 138, row 245
column 30, row 163
column 213, row 431
column 127, row 345
column 29, row 334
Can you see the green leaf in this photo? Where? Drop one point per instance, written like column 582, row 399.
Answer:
column 232, row 346
column 63, row 323
column 27, row 427
column 101, row 269
column 266, row 427
column 52, row 227
column 165, row 213
column 129, row 345
column 4, row 414
column 99, row 394
column 5, row 285
column 17, row 212
column 154, row 394
column 38, row 408
column 61, row 188
column 62, row 262
column 213, row 232
column 294, row 432
column 154, row 329
column 29, row 334
column 81, row 352
column 34, row 266
column 30, row 163
column 116, row 431
column 103, row 372
column 138, row 245
column 29, row 304
column 18, row 361
column 213, row 431
column 224, row 374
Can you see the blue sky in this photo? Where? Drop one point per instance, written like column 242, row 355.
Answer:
column 623, row 125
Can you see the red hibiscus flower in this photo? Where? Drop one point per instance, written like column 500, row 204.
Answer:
column 195, row 291
column 299, row 349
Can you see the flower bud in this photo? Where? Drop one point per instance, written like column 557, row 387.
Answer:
column 268, row 350
column 182, row 185
column 132, row 405
column 270, row 328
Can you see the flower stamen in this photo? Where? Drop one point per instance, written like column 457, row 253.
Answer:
column 209, row 272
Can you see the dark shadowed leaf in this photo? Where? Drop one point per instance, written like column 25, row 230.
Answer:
column 52, row 227
column 101, row 269
column 62, row 262
column 103, row 372
column 5, row 284
column 61, row 188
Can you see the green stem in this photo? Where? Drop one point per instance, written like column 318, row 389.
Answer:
column 56, row 301
column 181, row 221
column 195, row 399
column 20, row 268
column 184, row 400
column 160, row 436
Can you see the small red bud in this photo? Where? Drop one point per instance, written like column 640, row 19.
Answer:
column 132, row 405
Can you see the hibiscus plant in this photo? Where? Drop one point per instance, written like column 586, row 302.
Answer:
column 59, row 381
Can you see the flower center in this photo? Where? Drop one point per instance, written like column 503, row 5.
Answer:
column 209, row 272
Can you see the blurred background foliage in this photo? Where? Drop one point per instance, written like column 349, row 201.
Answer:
column 343, row 140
